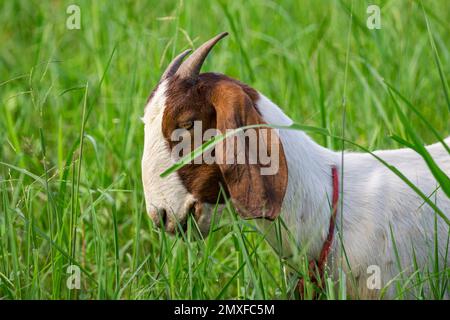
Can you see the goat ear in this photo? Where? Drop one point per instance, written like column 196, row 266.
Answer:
column 254, row 190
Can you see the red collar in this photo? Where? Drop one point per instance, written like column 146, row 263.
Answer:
column 317, row 268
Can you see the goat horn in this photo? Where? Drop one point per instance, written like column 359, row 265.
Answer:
column 175, row 64
column 190, row 68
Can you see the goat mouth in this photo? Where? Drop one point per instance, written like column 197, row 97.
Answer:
column 194, row 210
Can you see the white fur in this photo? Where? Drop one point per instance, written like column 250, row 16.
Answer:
column 374, row 199
column 161, row 193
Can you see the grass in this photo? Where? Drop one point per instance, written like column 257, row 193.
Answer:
column 71, row 137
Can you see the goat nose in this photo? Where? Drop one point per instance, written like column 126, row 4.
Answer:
column 159, row 217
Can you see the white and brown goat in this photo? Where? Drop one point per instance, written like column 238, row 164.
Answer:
column 376, row 203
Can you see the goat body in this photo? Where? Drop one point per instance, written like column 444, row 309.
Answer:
column 379, row 211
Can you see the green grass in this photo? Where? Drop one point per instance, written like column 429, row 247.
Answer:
column 71, row 137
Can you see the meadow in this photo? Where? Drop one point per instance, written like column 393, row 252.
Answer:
column 71, row 137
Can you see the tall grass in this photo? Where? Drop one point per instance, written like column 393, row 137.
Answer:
column 71, row 136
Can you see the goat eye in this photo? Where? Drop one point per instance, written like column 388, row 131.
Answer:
column 186, row 125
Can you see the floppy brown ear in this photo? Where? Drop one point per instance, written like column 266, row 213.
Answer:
column 254, row 195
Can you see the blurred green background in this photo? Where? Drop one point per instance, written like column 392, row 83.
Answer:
column 60, row 206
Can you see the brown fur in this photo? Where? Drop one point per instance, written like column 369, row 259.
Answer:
column 224, row 103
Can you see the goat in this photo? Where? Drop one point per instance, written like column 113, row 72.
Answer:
column 376, row 205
